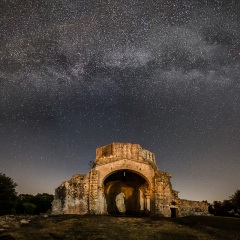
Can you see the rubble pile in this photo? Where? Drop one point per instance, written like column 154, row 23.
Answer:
column 8, row 222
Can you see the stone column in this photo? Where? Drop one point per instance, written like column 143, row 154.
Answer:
column 148, row 203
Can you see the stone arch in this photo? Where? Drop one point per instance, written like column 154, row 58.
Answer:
column 143, row 169
column 140, row 168
column 126, row 192
column 126, row 169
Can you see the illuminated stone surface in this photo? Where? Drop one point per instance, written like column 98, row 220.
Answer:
column 124, row 179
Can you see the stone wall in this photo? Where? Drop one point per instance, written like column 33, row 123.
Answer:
column 72, row 196
column 165, row 196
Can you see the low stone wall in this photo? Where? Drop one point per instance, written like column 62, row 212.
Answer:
column 188, row 207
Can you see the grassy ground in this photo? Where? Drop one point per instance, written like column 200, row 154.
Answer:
column 73, row 227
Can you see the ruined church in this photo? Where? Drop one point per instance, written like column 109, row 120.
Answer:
column 124, row 179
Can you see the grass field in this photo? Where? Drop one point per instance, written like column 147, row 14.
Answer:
column 109, row 227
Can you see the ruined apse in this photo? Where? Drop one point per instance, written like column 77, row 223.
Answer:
column 124, row 179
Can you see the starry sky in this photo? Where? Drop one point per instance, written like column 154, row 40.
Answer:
column 76, row 75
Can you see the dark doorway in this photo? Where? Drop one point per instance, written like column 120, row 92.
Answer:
column 125, row 193
column 174, row 212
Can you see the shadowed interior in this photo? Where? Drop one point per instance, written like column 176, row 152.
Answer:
column 125, row 193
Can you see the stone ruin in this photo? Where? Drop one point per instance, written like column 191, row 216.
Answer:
column 124, row 179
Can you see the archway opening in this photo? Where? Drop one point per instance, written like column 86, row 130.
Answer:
column 126, row 193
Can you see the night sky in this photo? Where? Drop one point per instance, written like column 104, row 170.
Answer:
column 76, row 75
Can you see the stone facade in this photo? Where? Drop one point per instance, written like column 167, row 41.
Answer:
column 124, row 179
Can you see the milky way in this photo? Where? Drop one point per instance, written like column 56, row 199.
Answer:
column 77, row 75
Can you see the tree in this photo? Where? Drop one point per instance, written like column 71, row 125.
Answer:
column 43, row 202
column 227, row 206
column 26, row 198
column 30, row 204
column 217, row 208
column 22, row 204
column 235, row 200
column 8, row 195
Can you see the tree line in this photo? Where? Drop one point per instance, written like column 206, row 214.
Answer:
column 228, row 207
column 11, row 203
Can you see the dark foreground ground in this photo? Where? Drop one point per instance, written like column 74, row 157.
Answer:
column 109, row 227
